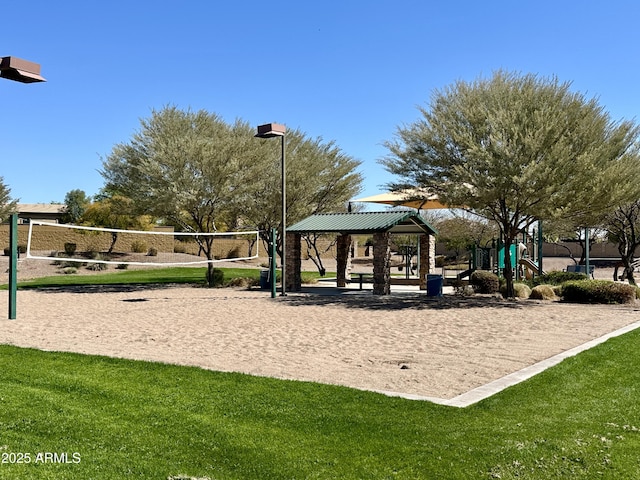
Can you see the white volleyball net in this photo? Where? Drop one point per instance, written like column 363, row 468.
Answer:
column 161, row 246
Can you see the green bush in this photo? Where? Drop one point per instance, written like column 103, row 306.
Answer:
column 217, row 279
column 543, row 292
column 598, row 291
column 485, row 282
column 21, row 249
column 70, row 248
column 557, row 278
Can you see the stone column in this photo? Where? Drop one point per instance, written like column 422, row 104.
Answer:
column 381, row 264
column 294, row 263
column 427, row 258
column 343, row 245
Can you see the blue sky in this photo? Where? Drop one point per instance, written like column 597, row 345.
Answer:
column 349, row 71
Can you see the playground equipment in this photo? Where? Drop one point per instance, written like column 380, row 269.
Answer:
column 525, row 255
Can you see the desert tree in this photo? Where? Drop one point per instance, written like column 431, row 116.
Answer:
column 115, row 212
column 515, row 149
column 7, row 205
column 202, row 174
column 76, row 203
column 623, row 227
column 320, row 178
column 188, row 167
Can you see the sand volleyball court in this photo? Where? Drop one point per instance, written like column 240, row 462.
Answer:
column 401, row 343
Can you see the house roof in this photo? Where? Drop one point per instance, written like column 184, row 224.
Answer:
column 402, row 222
column 48, row 208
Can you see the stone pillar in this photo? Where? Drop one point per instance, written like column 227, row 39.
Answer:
column 381, row 264
column 427, row 258
column 294, row 263
column 343, row 245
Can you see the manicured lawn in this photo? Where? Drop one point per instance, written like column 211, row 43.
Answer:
column 128, row 419
column 173, row 275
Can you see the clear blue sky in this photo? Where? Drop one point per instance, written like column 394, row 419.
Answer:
column 344, row 70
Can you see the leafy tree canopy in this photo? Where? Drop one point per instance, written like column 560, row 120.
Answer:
column 516, row 148
column 7, row 205
column 76, row 203
column 202, row 174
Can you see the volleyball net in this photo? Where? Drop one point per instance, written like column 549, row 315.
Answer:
column 161, row 246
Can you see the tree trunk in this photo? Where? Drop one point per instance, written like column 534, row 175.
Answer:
column 508, row 271
column 114, row 239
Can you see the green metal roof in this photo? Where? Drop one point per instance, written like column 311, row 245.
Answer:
column 403, row 222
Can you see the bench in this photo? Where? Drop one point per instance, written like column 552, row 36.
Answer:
column 362, row 277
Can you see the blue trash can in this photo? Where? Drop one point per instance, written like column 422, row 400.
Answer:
column 265, row 281
column 434, row 285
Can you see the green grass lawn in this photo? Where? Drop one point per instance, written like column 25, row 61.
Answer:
column 128, row 419
column 118, row 419
column 173, row 275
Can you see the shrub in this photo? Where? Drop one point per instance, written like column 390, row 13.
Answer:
column 558, row 278
column 153, row 252
column 234, row 252
column 485, row 282
column 598, row 291
column 243, row 282
column 69, row 270
column 543, row 292
column 97, row 267
column 308, row 278
column 70, row 248
column 179, row 247
column 138, row 246
column 521, row 290
column 217, row 277
column 21, row 249
column 122, row 266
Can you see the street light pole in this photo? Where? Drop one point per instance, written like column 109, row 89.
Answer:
column 22, row 71
column 271, row 130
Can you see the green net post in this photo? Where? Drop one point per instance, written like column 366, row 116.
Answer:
column 13, row 264
column 272, row 274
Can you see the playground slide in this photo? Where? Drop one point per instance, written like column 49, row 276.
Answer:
column 531, row 266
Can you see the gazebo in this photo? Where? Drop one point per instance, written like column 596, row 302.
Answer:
column 380, row 225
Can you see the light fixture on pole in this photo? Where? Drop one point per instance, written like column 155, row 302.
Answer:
column 22, row 71
column 270, row 130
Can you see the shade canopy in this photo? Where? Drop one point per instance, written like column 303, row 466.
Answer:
column 359, row 223
column 413, row 198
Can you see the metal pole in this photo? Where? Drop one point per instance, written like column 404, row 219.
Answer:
column 13, row 264
column 272, row 266
column 540, row 240
column 586, row 250
column 284, row 219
